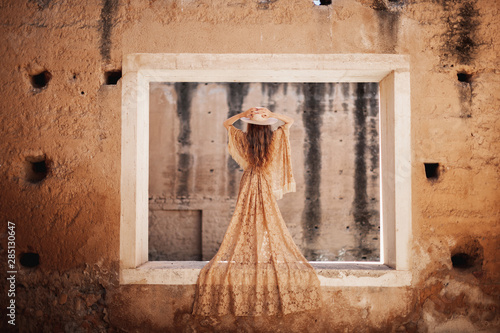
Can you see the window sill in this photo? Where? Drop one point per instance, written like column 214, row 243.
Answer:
column 337, row 274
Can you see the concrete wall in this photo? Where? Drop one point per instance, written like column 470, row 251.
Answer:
column 333, row 216
column 60, row 164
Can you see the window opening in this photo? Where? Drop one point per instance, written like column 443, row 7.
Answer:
column 336, row 128
column 391, row 72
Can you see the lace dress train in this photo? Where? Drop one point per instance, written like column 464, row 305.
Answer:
column 258, row 269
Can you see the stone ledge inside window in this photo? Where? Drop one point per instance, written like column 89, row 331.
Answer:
column 330, row 274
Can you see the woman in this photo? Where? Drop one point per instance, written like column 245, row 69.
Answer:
column 258, row 269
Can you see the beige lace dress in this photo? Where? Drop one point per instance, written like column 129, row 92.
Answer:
column 258, row 269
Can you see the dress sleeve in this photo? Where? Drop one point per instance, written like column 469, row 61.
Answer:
column 236, row 146
column 281, row 167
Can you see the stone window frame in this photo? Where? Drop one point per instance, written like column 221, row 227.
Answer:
column 391, row 71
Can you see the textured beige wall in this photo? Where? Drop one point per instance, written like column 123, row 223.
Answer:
column 71, row 218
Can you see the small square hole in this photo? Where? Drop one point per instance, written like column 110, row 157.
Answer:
column 112, row 77
column 36, row 168
column 431, row 171
column 464, row 77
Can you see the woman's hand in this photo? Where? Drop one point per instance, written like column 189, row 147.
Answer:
column 248, row 113
column 268, row 114
column 264, row 112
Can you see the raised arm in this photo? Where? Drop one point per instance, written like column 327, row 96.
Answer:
column 287, row 120
column 228, row 122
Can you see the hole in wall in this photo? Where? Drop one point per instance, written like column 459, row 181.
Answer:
column 29, row 259
column 462, row 261
column 431, row 171
column 36, row 168
column 40, row 80
column 464, row 77
column 467, row 255
column 111, row 77
column 322, row 2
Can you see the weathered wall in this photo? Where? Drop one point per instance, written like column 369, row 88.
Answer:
column 60, row 161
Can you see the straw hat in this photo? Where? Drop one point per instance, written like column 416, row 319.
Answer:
column 257, row 119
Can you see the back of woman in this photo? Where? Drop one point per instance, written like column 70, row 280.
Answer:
column 258, row 144
column 258, row 269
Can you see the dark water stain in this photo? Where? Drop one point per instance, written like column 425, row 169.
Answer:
column 361, row 211
column 374, row 147
column 184, row 164
column 236, row 93
column 461, row 43
column 314, row 108
column 331, row 95
column 185, row 92
column 346, row 89
column 346, row 92
column 460, row 37
column 270, row 89
column 388, row 23
column 108, row 12
column 372, row 92
column 379, row 5
column 371, row 251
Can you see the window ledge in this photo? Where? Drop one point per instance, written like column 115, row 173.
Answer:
column 335, row 274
